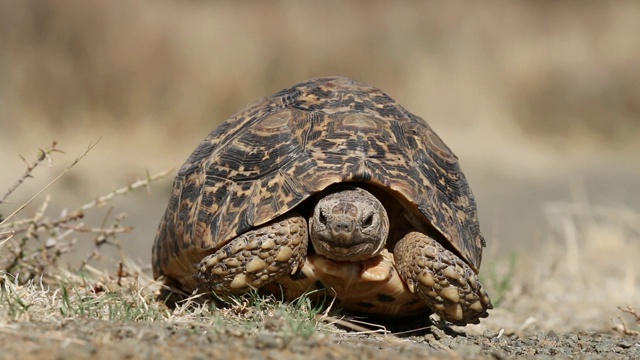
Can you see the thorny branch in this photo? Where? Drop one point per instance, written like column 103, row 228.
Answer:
column 35, row 243
column 80, row 157
column 622, row 326
column 43, row 154
column 23, row 225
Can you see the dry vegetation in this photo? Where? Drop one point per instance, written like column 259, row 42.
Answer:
column 557, row 68
column 576, row 281
column 36, row 287
column 33, row 245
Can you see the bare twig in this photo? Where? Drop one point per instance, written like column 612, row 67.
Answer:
column 100, row 230
column 33, row 255
column 352, row 325
column 622, row 326
column 630, row 310
column 101, row 200
column 43, row 154
column 7, row 236
column 80, row 157
column 79, row 212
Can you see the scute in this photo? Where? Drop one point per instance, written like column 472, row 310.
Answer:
column 279, row 151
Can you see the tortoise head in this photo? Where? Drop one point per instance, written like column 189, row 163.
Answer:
column 349, row 225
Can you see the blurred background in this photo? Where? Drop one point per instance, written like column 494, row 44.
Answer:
column 540, row 100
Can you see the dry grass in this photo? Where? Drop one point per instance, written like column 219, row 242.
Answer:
column 558, row 69
column 131, row 296
column 575, row 280
column 33, row 245
column 621, row 325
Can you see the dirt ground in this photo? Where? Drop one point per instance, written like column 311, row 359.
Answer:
column 108, row 340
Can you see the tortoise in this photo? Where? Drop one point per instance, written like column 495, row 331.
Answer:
column 331, row 187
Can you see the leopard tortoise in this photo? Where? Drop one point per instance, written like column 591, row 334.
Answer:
column 327, row 186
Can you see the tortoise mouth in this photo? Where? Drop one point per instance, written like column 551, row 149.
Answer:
column 339, row 251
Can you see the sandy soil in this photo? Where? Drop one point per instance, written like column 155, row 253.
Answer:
column 108, row 340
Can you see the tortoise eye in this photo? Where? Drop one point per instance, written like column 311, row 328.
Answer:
column 368, row 221
column 322, row 218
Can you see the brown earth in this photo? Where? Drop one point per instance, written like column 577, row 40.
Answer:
column 108, row 340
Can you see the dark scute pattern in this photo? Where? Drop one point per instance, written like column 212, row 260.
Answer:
column 385, row 298
column 319, row 285
column 299, row 275
column 280, row 150
column 365, row 304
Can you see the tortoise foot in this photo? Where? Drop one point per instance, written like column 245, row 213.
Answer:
column 449, row 286
column 255, row 258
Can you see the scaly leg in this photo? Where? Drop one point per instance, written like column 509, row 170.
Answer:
column 256, row 258
column 448, row 285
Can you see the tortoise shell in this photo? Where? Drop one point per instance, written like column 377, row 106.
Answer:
column 282, row 150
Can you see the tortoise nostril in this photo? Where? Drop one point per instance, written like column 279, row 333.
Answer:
column 342, row 227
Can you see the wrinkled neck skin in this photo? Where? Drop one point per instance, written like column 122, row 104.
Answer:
column 349, row 224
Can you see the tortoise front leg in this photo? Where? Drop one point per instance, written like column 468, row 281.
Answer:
column 448, row 285
column 256, row 258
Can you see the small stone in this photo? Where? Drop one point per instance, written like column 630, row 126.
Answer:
column 625, row 344
column 489, row 334
column 267, row 341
